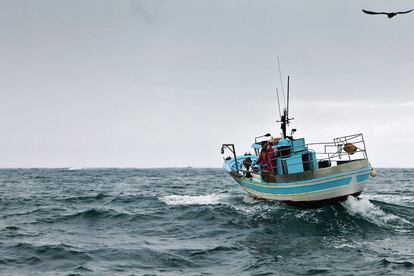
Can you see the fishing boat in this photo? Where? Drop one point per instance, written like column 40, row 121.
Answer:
column 307, row 175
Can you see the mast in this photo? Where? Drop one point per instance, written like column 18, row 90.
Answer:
column 283, row 123
column 284, row 119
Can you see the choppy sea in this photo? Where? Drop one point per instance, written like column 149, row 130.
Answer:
column 195, row 222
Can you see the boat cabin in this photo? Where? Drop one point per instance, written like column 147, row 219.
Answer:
column 289, row 156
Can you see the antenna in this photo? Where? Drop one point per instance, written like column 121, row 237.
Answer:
column 287, row 113
column 281, row 81
column 278, row 102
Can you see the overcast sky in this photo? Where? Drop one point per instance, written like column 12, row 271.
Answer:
column 165, row 83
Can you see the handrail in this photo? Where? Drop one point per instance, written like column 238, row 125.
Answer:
column 332, row 156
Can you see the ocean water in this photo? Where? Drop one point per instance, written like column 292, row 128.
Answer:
column 195, row 222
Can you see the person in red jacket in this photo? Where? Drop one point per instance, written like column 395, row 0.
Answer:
column 267, row 162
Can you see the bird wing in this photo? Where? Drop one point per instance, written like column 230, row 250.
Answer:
column 372, row 12
column 404, row 11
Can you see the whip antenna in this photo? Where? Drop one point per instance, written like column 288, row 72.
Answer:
column 281, row 82
column 287, row 113
column 278, row 102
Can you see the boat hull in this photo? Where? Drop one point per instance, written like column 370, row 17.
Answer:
column 320, row 203
column 334, row 186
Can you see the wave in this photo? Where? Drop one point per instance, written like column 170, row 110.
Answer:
column 12, row 228
column 252, row 211
column 97, row 214
column 82, row 268
column 89, row 214
column 405, row 264
column 214, row 250
column 211, row 199
column 45, row 252
column 364, row 208
column 75, row 168
column 391, row 198
column 86, row 198
column 36, row 211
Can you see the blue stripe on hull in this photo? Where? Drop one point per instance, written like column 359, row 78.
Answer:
column 299, row 190
column 362, row 178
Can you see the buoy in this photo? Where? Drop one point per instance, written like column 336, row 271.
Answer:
column 373, row 173
column 350, row 148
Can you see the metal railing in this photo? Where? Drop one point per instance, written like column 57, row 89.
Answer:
column 335, row 151
column 331, row 152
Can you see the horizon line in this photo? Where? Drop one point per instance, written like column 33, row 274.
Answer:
column 131, row 167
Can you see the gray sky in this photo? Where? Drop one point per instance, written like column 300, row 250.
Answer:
column 164, row 83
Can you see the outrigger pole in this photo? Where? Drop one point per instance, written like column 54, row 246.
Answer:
column 278, row 102
column 284, row 118
column 281, row 82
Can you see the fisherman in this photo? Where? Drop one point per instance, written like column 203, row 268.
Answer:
column 267, row 162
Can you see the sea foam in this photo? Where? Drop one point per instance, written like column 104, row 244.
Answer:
column 366, row 209
column 391, row 198
column 75, row 168
column 210, row 199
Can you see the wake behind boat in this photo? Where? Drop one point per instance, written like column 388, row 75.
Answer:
column 306, row 175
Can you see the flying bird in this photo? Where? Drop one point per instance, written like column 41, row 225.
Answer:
column 389, row 14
